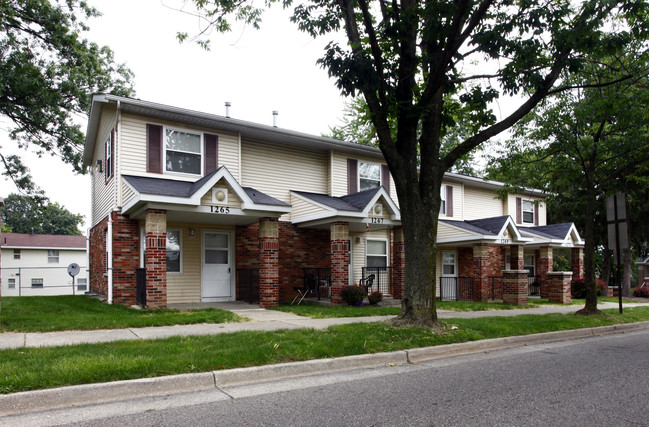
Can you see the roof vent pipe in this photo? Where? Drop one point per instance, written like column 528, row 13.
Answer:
column 275, row 113
column 227, row 109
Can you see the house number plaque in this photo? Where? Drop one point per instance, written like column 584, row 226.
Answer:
column 220, row 209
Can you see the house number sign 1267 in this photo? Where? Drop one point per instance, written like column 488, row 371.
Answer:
column 377, row 220
column 220, row 209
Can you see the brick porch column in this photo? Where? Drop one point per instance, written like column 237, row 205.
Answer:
column 156, row 258
column 339, row 259
column 481, row 289
column 545, row 264
column 515, row 286
column 399, row 266
column 559, row 286
column 577, row 263
column 268, row 262
column 516, row 257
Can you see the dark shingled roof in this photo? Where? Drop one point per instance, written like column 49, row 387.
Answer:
column 42, row 241
column 492, row 225
column 555, row 230
column 333, row 202
column 466, row 225
column 362, row 198
column 170, row 187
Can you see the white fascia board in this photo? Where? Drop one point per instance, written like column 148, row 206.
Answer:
column 383, row 194
column 58, row 248
column 477, row 239
column 322, row 221
column 223, row 172
column 519, row 237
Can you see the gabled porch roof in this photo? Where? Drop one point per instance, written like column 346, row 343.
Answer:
column 496, row 230
column 558, row 235
column 183, row 200
column 359, row 209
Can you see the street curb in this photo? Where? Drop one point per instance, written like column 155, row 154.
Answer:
column 82, row 395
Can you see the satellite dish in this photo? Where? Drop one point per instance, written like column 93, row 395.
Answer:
column 73, row 269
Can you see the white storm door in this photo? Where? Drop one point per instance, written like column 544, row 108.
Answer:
column 217, row 259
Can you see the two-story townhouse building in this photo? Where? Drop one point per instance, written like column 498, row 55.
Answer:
column 37, row 264
column 197, row 207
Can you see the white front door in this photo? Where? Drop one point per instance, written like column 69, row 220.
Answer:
column 217, row 263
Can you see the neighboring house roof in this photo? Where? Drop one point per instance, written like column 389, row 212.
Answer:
column 41, row 241
column 496, row 229
column 642, row 260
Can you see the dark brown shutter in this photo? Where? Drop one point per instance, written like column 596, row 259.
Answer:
column 153, row 148
column 519, row 210
column 352, row 176
column 385, row 177
column 536, row 214
column 211, row 143
column 449, row 200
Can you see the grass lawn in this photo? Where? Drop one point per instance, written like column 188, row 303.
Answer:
column 80, row 312
column 39, row 368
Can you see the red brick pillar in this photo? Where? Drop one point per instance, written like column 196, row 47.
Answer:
column 339, row 259
column 516, row 257
column 515, row 287
column 268, row 262
column 399, row 264
column 156, row 258
column 559, row 286
column 577, row 263
column 481, row 289
column 545, row 267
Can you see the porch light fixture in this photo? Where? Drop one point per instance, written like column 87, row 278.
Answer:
column 191, row 232
column 99, row 167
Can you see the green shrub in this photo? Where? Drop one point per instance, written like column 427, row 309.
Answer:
column 375, row 297
column 579, row 288
column 352, row 295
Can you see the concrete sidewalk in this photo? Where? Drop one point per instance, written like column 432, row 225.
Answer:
column 260, row 320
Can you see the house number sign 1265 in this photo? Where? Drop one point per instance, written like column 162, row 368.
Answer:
column 220, row 209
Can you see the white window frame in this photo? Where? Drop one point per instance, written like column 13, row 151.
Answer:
column 17, row 254
column 35, row 282
column 387, row 250
column 530, row 210
column 80, row 283
column 530, row 267
column 454, row 274
column 164, row 150
column 442, row 196
column 108, row 158
column 360, row 162
column 53, row 256
column 11, row 283
column 180, row 251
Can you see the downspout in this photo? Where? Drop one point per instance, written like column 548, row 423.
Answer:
column 109, row 232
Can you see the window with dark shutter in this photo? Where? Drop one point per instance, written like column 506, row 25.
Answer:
column 211, row 153
column 519, row 210
column 449, row 200
column 385, row 177
column 536, row 214
column 153, row 148
column 352, row 176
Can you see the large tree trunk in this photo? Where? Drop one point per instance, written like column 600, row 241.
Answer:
column 589, row 250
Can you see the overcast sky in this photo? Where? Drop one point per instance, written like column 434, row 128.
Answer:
column 258, row 71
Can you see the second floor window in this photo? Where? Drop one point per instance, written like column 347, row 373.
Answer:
column 53, row 257
column 528, row 212
column 442, row 204
column 369, row 175
column 16, row 253
column 183, row 152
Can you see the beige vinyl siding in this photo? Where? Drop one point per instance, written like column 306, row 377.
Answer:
column 481, row 203
column 458, row 190
column 127, row 193
column 358, row 255
column 303, row 208
column 445, row 231
column 185, row 287
column 275, row 170
column 103, row 196
column 233, row 200
column 133, row 142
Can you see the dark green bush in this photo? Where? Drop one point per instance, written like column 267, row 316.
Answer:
column 375, row 297
column 579, row 288
column 352, row 295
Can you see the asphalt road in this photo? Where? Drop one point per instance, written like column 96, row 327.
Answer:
column 601, row 381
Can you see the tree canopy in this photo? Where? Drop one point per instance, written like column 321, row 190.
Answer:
column 47, row 75
column 585, row 144
column 24, row 214
column 421, row 64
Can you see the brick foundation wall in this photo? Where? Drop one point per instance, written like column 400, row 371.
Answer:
column 298, row 247
column 98, row 262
